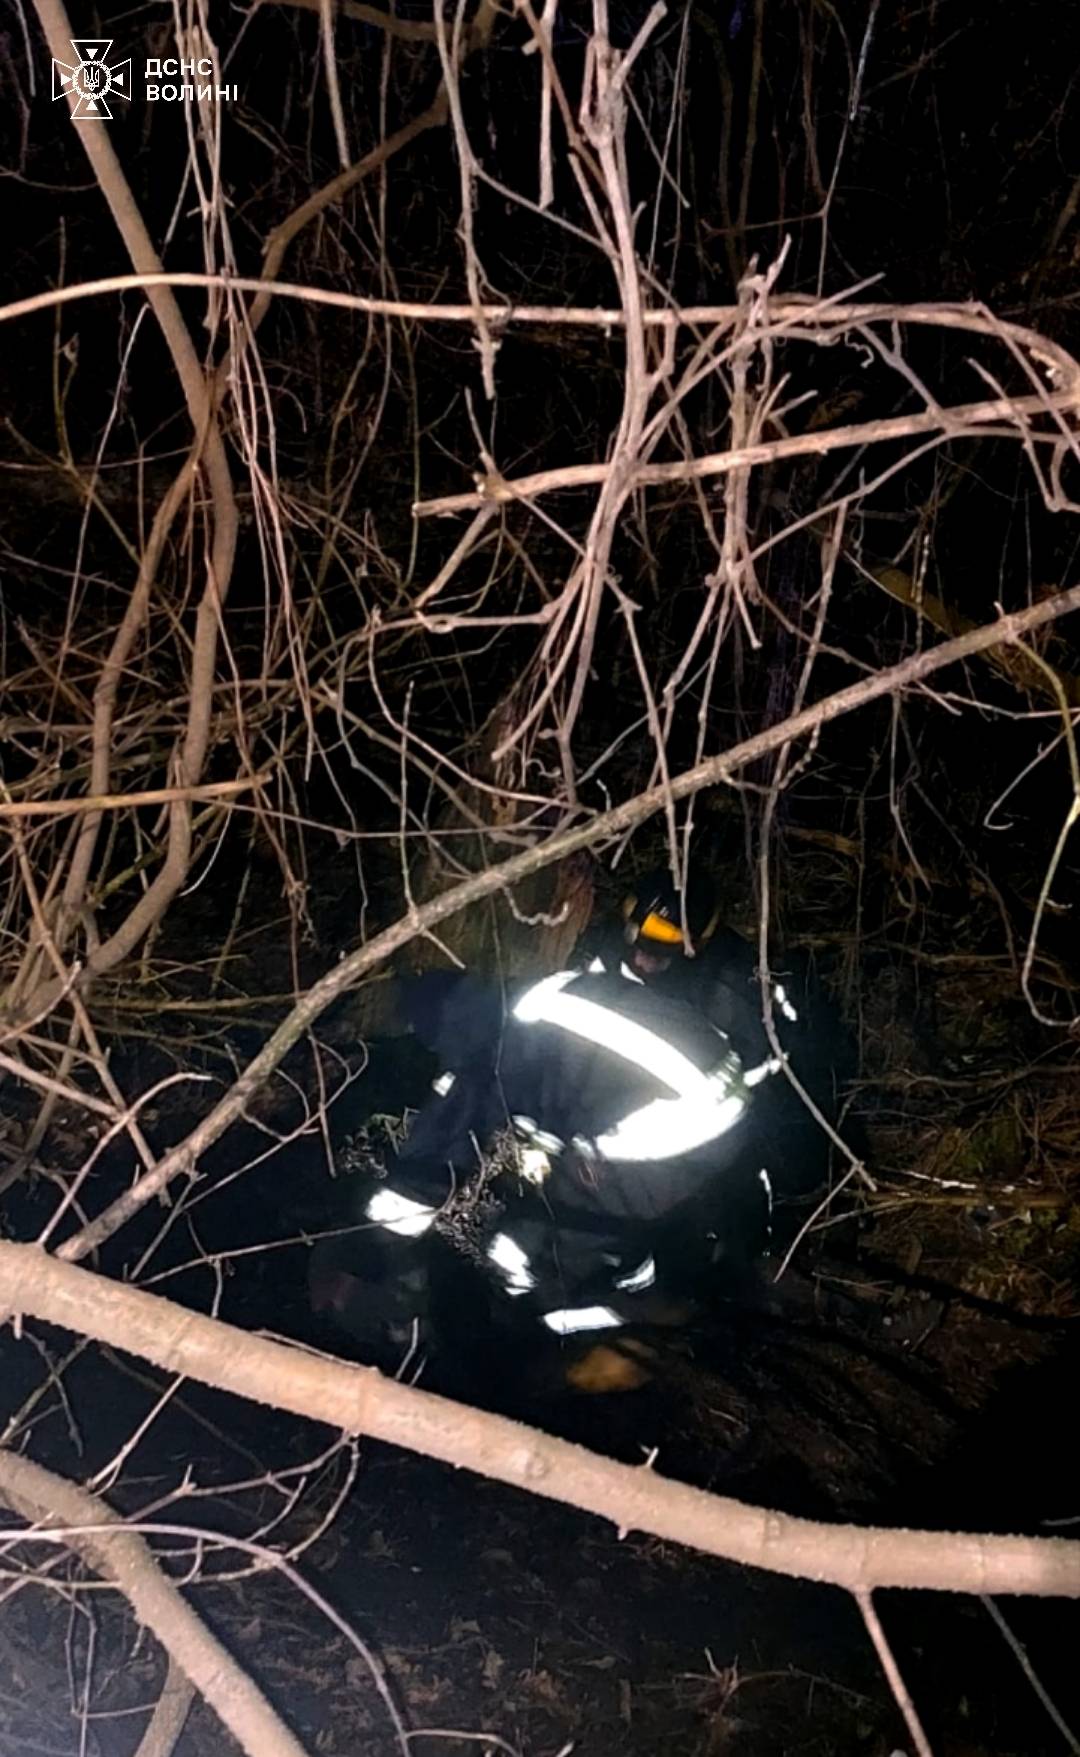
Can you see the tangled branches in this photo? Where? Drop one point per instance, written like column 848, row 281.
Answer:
column 510, row 524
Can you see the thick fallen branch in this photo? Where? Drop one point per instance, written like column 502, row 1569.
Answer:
column 184, row 1156
column 125, row 1558
column 360, row 1401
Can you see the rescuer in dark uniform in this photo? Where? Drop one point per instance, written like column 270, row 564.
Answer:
column 676, row 945
column 590, row 1110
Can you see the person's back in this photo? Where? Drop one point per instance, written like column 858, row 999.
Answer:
column 576, row 1058
column 675, row 942
column 622, row 1107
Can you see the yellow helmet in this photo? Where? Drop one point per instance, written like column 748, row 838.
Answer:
column 654, row 913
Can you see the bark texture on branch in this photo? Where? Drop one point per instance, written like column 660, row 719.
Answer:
column 170, row 1715
column 126, row 1559
column 360, row 1401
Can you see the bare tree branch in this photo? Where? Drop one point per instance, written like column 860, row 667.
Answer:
column 359, row 1400
column 971, row 420
column 170, row 1715
column 25, row 808
column 711, row 772
column 125, row 1558
column 1020, row 1653
column 789, row 314
column 208, row 453
column 900, row 1691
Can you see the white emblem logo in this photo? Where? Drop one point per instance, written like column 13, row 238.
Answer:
column 92, row 79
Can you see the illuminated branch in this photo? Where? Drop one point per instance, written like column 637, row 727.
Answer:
column 122, row 1556
column 359, row 1400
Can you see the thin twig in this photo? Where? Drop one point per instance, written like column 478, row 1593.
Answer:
column 1032, row 1675
column 901, row 1695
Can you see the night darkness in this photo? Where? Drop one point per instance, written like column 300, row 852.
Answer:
column 625, row 381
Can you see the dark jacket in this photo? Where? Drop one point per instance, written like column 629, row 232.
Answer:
column 722, row 984
column 568, row 1088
